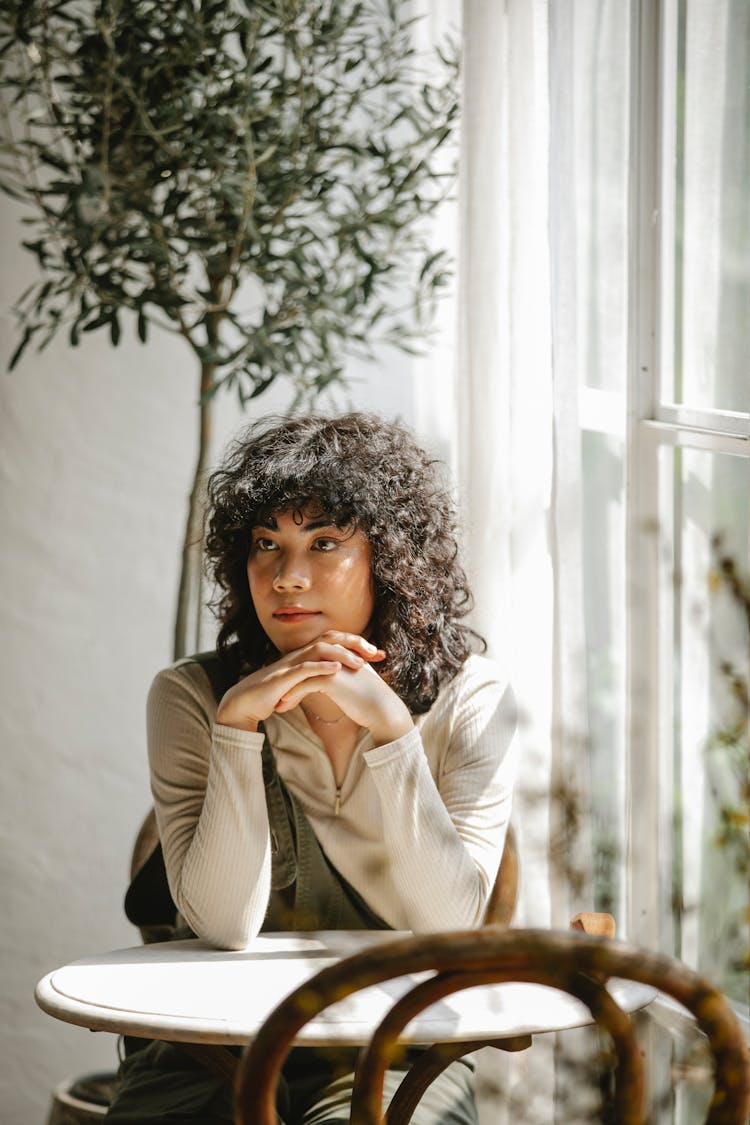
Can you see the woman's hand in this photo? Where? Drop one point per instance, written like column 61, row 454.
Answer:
column 362, row 695
column 258, row 695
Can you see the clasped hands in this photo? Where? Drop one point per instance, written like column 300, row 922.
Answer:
column 340, row 665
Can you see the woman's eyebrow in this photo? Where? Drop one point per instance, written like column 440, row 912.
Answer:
column 316, row 525
column 270, row 524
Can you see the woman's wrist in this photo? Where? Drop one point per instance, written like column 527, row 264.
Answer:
column 231, row 713
column 248, row 725
column 395, row 723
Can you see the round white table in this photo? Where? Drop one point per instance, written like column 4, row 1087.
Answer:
column 189, row 992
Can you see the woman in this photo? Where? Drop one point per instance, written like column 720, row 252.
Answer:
column 343, row 759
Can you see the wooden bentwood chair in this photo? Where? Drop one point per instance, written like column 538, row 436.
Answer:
column 579, row 963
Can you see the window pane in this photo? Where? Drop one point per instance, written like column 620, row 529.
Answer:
column 710, row 258
column 709, row 636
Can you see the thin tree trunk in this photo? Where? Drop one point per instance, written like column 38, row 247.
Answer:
column 192, row 545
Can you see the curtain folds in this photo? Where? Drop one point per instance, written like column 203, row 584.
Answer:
column 540, row 428
column 518, row 441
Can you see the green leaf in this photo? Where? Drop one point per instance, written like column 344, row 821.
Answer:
column 28, row 332
column 98, row 322
column 431, row 260
column 261, row 385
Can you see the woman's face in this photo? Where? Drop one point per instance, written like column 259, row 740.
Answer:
column 307, row 576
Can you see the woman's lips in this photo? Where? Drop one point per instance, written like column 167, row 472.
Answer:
column 293, row 614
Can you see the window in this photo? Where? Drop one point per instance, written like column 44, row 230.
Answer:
column 602, row 391
column 603, row 437
column 658, row 487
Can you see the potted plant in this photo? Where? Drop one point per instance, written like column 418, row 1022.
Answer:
column 252, row 176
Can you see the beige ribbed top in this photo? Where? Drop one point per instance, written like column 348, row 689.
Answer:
column 417, row 827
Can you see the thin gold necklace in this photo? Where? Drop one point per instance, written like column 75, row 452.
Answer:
column 326, row 722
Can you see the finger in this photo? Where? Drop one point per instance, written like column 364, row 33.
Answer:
column 328, row 650
column 354, row 641
column 287, row 678
column 295, row 695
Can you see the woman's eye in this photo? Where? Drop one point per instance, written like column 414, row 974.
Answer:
column 264, row 545
column 326, row 544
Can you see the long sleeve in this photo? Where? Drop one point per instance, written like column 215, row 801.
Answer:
column 417, row 826
column 444, row 834
column 207, row 783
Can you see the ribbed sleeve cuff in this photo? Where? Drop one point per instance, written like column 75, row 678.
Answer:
column 409, row 743
column 230, row 738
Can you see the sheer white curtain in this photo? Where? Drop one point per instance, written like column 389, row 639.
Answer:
column 547, row 424
column 529, row 169
column 516, row 396
column 542, row 300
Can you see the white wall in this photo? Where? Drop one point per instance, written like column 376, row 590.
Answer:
column 96, row 451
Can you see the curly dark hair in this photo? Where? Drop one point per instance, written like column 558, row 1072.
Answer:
column 362, row 472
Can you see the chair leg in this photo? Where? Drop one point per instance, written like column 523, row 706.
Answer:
column 431, row 1064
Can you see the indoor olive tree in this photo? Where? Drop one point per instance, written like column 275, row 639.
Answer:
column 253, row 176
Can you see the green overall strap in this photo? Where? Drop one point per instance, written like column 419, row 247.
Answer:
column 307, row 892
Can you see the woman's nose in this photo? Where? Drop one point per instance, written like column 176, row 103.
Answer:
column 291, row 575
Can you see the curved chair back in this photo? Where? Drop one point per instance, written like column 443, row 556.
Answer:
column 574, row 962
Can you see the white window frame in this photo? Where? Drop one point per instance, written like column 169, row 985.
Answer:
column 650, row 427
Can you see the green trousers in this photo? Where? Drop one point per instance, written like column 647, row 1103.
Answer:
column 161, row 1084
